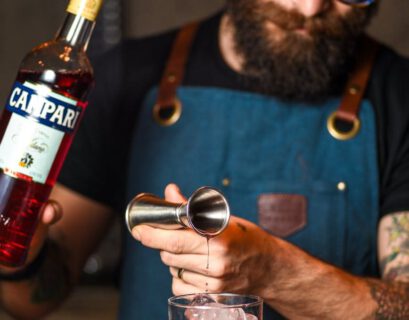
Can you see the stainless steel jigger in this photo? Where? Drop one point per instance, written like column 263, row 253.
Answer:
column 206, row 211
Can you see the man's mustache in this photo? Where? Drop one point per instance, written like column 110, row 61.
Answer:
column 285, row 19
column 328, row 23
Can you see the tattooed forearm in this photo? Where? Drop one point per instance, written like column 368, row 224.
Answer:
column 392, row 295
column 395, row 247
column 392, row 299
column 52, row 282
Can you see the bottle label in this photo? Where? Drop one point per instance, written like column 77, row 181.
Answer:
column 39, row 120
column 86, row 8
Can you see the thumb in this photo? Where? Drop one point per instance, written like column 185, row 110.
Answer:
column 173, row 193
column 50, row 214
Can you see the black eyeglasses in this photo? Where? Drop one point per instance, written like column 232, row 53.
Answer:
column 358, row 3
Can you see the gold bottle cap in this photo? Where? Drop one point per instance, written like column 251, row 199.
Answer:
column 86, row 8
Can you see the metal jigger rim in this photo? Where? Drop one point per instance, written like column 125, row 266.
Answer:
column 227, row 216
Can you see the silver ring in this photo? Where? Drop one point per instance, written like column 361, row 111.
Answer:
column 180, row 273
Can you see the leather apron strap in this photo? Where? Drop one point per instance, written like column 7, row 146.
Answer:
column 343, row 124
column 168, row 108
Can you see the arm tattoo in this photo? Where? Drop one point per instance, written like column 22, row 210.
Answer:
column 392, row 299
column 392, row 294
column 395, row 265
column 52, row 281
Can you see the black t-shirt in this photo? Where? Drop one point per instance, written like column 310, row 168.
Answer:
column 97, row 162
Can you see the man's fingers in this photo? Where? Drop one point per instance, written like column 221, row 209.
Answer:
column 187, row 282
column 190, row 276
column 180, row 287
column 193, row 262
column 52, row 212
column 175, row 241
column 173, row 193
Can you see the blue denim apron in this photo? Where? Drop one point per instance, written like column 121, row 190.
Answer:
column 263, row 146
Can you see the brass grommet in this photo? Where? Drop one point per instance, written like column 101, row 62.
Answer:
column 339, row 134
column 167, row 115
column 226, row 182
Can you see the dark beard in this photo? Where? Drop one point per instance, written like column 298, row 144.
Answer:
column 290, row 65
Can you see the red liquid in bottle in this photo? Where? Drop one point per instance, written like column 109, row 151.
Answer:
column 21, row 199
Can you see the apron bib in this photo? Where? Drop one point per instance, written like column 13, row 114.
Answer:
column 261, row 146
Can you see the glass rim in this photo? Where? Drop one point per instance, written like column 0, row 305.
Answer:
column 257, row 301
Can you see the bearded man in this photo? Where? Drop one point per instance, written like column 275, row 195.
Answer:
column 296, row 116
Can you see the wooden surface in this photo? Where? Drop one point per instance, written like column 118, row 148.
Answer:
column 86, row 303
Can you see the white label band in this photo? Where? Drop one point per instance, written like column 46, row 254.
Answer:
column 39, row 120
column 29, row 148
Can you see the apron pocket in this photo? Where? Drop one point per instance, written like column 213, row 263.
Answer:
column 313, row 215
column 282, row 214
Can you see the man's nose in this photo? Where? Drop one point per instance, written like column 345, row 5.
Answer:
column 310, row 8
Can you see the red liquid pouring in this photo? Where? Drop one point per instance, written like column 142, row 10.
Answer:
column 208, row 262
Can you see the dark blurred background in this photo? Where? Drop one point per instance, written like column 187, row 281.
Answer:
column 26, row 23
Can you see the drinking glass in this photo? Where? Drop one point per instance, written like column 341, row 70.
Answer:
column 211, row 306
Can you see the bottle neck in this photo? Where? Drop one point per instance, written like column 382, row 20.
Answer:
column 76, row 31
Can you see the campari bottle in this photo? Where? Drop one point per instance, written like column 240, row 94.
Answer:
column 38, row 124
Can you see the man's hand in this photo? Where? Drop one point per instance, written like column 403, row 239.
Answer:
column 238, row 256
column 71, row 238
column 50, row 214
column 246, row 259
